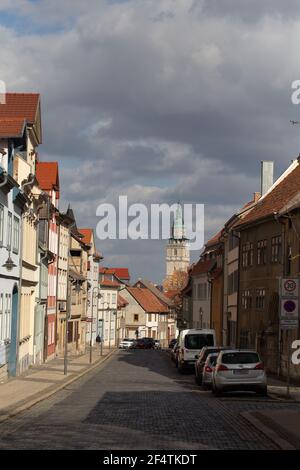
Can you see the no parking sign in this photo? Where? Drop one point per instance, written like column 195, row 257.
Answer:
column 289, row 311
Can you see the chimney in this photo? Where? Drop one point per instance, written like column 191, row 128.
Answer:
column 267, row 173
column 256, row 196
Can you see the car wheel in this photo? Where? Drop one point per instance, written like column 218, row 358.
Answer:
column 216, row 392
column 198, row 380
column 263, row 392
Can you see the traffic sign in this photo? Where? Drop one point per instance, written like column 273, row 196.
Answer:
column 289, row 313
column 290, row 287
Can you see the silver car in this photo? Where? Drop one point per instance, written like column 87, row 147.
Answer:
column 239, row 369
column 208, row 369
column 126, row 343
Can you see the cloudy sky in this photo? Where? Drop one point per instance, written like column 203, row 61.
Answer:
column 162, row 100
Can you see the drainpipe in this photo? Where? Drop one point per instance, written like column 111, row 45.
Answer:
column 283, row 244
column 5, row 175
column 31, row 178
column 40, row 263
column 238, row 297
column 57, row 270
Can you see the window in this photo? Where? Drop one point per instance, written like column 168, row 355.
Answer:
column 233, row 282
column 276, row 249
column 262, row 252
column 149, row 317
column 198, row 341
column 9, row 230
column 247, row 255
column 260, row 298
column 135, row 317
column 5, row 316
column 202, row 291
column 16, row 235
column 246, row 299
column 233, row 241
column 1, row 223
column 8, row 315
column 113, row 298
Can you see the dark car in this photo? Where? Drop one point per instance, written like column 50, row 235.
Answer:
column 144, row 343
column 172, row 343
column 205, row 351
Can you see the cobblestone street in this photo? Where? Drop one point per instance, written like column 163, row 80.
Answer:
column 137, row 400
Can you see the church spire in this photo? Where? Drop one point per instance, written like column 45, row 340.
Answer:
column 178, row 224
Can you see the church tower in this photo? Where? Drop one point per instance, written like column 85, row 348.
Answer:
column 177, row 251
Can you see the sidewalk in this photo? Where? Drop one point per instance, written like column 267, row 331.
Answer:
column 281, row 426
column 40, row 382
column 278, row 389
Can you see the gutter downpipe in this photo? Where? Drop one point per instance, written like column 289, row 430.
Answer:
column 283, row 234
column 42, row 258
column 5, row 175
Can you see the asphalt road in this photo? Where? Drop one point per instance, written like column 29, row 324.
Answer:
column 137, row 400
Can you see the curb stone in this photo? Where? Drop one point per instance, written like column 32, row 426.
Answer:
column 45, row 395
column 272, row 435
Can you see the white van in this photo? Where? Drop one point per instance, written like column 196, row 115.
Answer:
column 190, row 343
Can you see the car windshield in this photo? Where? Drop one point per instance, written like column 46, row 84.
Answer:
column 240, row 358
column 209, row 351
column 198, row 341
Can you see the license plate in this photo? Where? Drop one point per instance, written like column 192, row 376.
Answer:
column 241, row 371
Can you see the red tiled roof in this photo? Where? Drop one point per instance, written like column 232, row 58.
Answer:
column 121, row 301
column 11, row 127
column 202, row 266
column 283, row 190
column 121, row 273
column 87, row 235
column 108, row 283
column 148, row 301
column 214, row 240
column 24, row 105
column 47, row 175
column 172, row 293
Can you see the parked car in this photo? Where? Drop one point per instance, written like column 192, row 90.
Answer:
column 126, row 343
column 200, row 361
column 208, row 370
column 144, row 343
column 174, row 353
column 239, row 369
column 172, row 343
column 157, row 344
column 190, row 344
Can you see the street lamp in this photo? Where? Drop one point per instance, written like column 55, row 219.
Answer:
column 9, row 264
column 92, row 319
